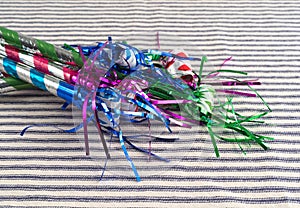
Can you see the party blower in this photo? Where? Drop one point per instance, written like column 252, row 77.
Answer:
column 133, row 105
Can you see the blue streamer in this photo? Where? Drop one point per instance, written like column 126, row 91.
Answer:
column 137, row 176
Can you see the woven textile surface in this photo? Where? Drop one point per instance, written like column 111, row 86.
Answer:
column 49, row 169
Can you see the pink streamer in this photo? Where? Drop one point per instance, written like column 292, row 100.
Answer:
column 84, row 118
column 166, row 102
column 238, row 93
column 223, row 64
column 157, row 39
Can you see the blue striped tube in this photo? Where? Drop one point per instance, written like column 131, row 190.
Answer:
column 43, row 81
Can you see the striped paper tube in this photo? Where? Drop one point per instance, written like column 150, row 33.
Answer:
column 40, row 63
column 43, row 81
column 34, row 45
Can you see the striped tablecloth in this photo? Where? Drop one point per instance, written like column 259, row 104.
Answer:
column 48, row 169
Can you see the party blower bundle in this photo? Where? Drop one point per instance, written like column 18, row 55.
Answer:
column 132, row 97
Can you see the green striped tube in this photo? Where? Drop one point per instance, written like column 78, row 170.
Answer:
column 48, row 50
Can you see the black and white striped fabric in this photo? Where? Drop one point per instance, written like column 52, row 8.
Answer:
column 49, row 169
